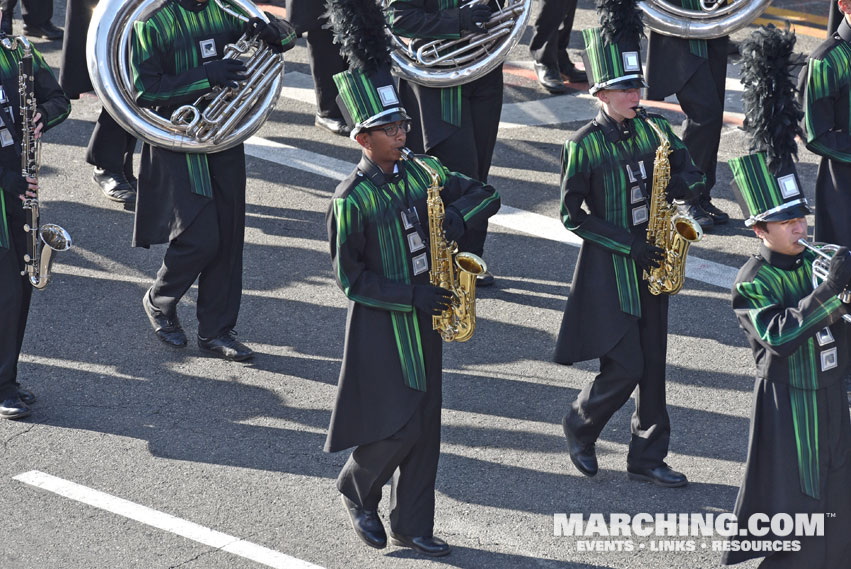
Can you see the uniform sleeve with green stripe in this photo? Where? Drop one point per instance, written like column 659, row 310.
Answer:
column 822, row 93
column 346, row 231
column 154, row 85
column 575, row 189
column 682, row 163
column 409, row 18
column 781, row 329
column 53, row 103
column 474, row 200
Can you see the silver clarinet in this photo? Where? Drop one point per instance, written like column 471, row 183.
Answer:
column 42, row 240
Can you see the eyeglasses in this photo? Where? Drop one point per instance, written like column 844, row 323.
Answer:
column 393, row 129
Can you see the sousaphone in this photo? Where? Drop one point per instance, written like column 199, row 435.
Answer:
column 712, row 18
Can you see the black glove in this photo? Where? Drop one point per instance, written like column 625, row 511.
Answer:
column 12, row 181
column 473, row 18
column 839, row 275
column 453, row 224
column 645, row 255
column 273, row 32
column 225, row 72
column 677, row 189
column 431, row 299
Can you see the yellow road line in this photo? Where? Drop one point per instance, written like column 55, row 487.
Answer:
column 797, row 28
column 797, row 16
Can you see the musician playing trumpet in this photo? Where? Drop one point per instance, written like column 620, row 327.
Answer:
column 194, row 202
column 799, row 456
column 15, row 289
column 608, row 167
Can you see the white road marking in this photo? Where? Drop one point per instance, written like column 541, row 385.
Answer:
column 163, row 521
column 528, row 222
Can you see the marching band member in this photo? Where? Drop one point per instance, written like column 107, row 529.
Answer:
column 389, row 394
column 110, row 148
column 548, row 46
column 608, row 166
column 307, row 18
column 799, row 455
column 15, row 289
column 696, row 70
column 193, row 202
column 825, row 88
column 458, row 124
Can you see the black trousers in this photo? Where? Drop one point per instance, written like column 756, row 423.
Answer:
column 325, row 61
column 15, row 295
column 637, row 360
column 551, row 31
column 469, row 150
column 414, row 450
column 210, row 250
column 702, row 100
column 110, row 146
column 33, row 12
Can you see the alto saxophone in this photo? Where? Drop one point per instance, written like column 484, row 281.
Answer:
column 458, row 322
column 43, row 239
column 667, row 229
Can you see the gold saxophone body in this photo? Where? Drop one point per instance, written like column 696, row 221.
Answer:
column 451, row 270
column 671, row 231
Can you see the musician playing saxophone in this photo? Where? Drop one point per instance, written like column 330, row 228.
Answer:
column 608, row 167
column 15, row 289
column 194, row 202
column 389, row 394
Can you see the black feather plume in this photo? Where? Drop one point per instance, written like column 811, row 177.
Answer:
column 358, row 28
column 772, row 114
column 621, row 21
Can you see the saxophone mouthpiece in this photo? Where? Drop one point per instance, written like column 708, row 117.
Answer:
column 407, row 154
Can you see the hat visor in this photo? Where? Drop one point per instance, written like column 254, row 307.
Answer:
column 615, row 85
column 792, row 212
column 395, row 116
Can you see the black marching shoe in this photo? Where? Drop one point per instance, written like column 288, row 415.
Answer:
column 366, row 523
column 335, row 125
column 583, row 457
column 47, row 30
column 549, row 78
column 427, row 544
column 168, row 330
column 485, row 279
column 703, row 219
column 27, row 396
column 569, row 72
column 226, row 346
column 718, row 216
column 13, row 408
column 662, row 475
column 115, row 186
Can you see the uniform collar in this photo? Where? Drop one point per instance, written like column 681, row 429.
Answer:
column 612, row 130
column 192, row 5
column 779, row 260
column 844, row 30
column 376, row 175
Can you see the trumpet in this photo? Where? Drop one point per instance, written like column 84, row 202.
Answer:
column 821, row 267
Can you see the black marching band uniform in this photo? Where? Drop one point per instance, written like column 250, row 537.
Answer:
column 825, row 89
column 799, row 455
column 15, row 289
column 457, row 124
column 696, row 71
column 306, row 16
column 389, row 394
column 610, row 313
column 194, row 202
column 110, row 147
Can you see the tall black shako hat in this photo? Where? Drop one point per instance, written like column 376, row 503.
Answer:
column 367, row 95
column 612, row 54
column 766, row 182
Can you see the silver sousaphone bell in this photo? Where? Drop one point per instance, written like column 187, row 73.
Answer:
column 821, row 267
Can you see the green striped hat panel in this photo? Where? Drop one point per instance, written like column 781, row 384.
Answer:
column 764, row 196
column 611, row 66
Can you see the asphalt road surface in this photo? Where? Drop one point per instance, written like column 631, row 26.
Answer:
column 137, row 456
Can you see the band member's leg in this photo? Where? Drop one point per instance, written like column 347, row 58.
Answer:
column 544, row 44
column 620, row 371
column 111, row 150
column 187, row 255
column 568, row 71
column 651, row 428
column 412, row 495
column 325, row 61
column 220, row 281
